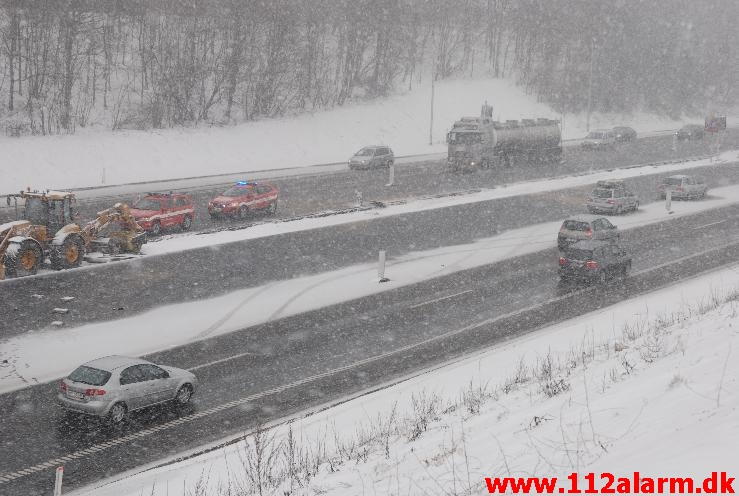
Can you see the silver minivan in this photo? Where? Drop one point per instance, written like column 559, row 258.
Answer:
column 372, row 156
column 112, row 386
column 600, row 139
column 683, row 187
column 586, row 227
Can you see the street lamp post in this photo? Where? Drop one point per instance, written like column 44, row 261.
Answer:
column 590, row 84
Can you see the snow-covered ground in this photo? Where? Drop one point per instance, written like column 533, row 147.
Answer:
column 649, row 385
column 27, row 359
column 94, row 157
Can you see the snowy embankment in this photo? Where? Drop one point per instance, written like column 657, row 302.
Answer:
column 47, row 354
column 94, row 157
column 650, row 385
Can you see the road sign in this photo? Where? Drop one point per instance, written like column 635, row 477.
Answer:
column 715, row 124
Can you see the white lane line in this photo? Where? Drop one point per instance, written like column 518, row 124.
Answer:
column 7, row 477
column 440, row 299
column 216, row 362
column 711, row 224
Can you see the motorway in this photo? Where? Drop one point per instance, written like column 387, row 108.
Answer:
column 117, row 290
column 270, row 371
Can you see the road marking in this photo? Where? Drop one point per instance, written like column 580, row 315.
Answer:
column 440, row 299
column 216, row 362
column 10, row 476
column 711, row 224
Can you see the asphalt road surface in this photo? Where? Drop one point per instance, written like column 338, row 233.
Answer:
column 267, row 372
column 305, row 194
column 117, row 290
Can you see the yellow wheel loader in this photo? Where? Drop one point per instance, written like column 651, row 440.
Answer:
column 46, row 227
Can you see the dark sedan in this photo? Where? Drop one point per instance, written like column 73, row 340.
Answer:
column 624, row 134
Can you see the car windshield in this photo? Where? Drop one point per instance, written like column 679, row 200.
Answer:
column 673, row 181
column 89, row 375
column 577, row 254
column 464, row 138
column 602, row 193
column 147, row 204
column 575, row 225
column 239, row 191
column 365, row 152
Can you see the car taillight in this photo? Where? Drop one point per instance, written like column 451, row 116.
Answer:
column 610, row 202
column 94, row 392
column 591, row 264
column 588, row 232
column 63, row 386
column 679, row 188
column 562, row 261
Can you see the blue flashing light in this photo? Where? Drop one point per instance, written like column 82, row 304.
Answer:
column 245, row 183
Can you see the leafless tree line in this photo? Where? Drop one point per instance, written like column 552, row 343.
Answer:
column 162, row 63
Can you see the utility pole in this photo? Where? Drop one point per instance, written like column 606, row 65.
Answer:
column 590, row 85
column 431, row 123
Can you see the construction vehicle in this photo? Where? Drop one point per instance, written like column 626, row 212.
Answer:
column 47, row 228
column 481, row 142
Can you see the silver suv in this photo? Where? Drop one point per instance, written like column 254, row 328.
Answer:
column 372, row 156
column 611, row 197
column 683, row 187
column 115, row 385
column 600, row 139
column 586, row 227
column 594, row 261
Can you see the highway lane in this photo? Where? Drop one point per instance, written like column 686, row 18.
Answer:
column 122, row 289
column 301, row 195
column 365, row 342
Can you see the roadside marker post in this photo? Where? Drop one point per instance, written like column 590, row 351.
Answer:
column 668, row 201
column 391, row 182
column 381, row 267
column 357, row 198
column 58, row 481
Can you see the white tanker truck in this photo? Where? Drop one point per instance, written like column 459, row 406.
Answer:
column 481, row 142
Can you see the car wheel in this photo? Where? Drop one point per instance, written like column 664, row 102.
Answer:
column 619, row 210
column 602, row 277
column 156, row 228
column 186, row 223
column 243, row 212
column 272, row 209
column 117, row 413
column 625, row 269
column 184, row 395
column 636, row 206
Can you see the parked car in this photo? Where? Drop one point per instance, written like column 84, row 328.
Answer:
column 624, row 134
column 594, row 261
column 243, row 198
column 611, row 197
column 690, row 132
column 683, row 187
column 156, row 212
column 372, row 156
column 586, row 227
column 113, row 386
column 600, row 139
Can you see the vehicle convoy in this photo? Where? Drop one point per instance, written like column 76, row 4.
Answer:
column 612, row 197
column 156, row 212
column 594, row 261
column 113, row 386
column 370, row 157
column 683, row 187
column 243, row 198
column 586, row 227
column 46, row 227
column 481, row 142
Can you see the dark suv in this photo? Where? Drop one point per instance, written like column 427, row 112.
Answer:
column 594, row 261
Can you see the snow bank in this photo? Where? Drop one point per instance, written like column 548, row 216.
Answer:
column 94, row 157
column 48, row 354
column 647, row 385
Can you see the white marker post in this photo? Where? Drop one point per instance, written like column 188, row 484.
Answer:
column 391, row 182
column 381, row 267
column 674, row 142
column 58, row 481
column 357, row 198
column 668, row 201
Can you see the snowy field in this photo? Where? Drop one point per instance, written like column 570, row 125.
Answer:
column 650, row 385
column 47, row 354
column 95, row 157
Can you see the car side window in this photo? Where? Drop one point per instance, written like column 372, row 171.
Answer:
column 180, row 202
column 607, row 224
column 263, row 190
column 152, row 372
column 597, row 225
column 131, row 375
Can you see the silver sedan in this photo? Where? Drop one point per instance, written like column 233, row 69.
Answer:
column 115, row 385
